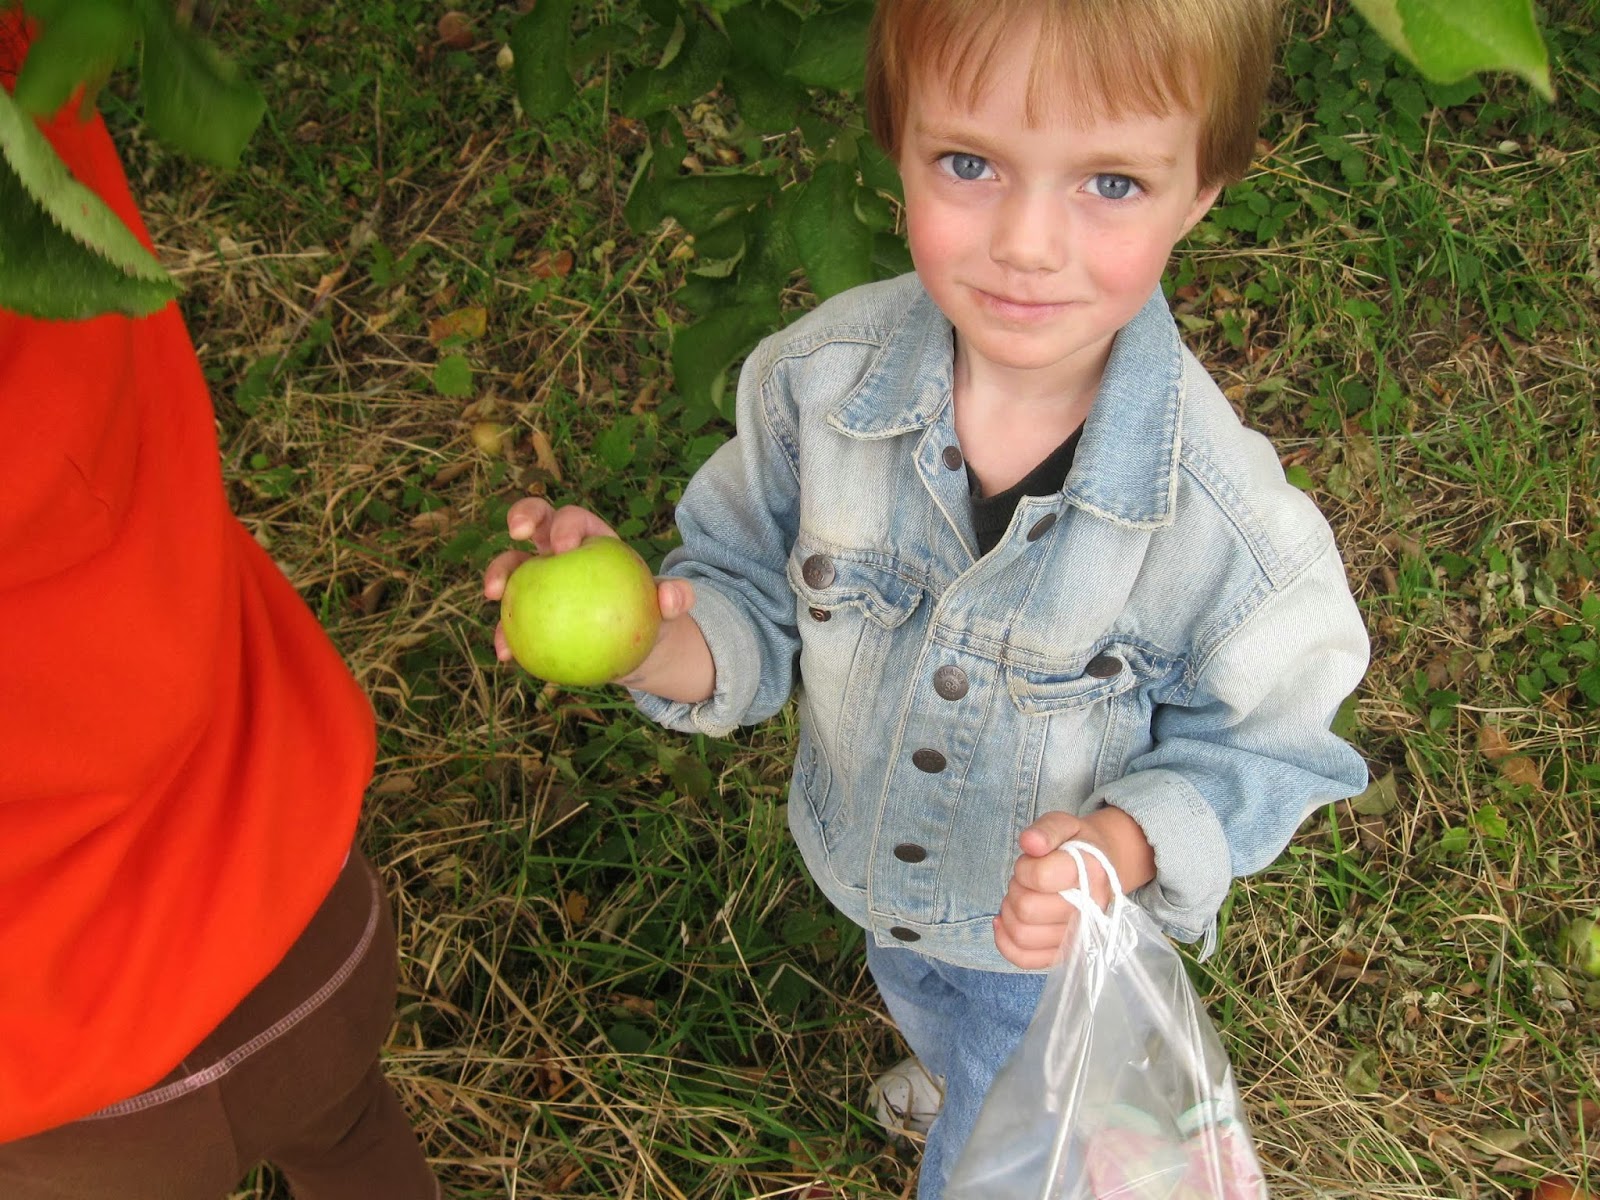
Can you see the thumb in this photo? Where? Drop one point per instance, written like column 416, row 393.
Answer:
column 1050, row 831
column 674, row 596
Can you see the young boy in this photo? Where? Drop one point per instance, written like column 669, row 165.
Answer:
column 1032, row 579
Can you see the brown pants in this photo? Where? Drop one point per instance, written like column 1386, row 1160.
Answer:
column 291, row 1077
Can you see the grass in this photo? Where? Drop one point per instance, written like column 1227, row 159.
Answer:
column 617, row 979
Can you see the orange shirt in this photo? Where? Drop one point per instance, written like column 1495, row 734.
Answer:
column 182, row 750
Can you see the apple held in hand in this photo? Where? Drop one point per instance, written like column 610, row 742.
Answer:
column 581, row 617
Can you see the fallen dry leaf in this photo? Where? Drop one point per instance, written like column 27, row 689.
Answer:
column 436, row 520
column 1522, row 770
column 470, row 322
column 560, row 264
column 544, row 454
column 646, row 399
column 1492, row 743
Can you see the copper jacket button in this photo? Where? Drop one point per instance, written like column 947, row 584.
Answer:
column 1103, row 666
column 817, row 571
column 950, row 682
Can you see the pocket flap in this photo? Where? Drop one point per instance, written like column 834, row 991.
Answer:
column 1106, row 673
column 832, row 581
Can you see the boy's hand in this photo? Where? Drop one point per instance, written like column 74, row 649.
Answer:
column 1034, row 919
column 556, row 530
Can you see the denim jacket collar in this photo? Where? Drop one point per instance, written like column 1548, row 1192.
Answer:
column 1126, row 468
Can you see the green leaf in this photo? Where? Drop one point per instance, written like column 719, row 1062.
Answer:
column 194, row 99
column 1382, row 796
column 539, row 42
column 701, row 202
column 766, row 103
column 1455, row 840
column 692, row 71
column 763, row 37
column 79, row 44
column 835, row 248
column 453, row 376
column 628, row 1038
column 1449, row 40
column 64, row 254
column 44, row 273
column 1361, row 1076
column 1488, row 822
column 703, row 352
column 832, row 53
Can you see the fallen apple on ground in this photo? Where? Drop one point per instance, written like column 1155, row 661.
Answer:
column 1580, row 945
column 582, row 617
column 1555, row 1188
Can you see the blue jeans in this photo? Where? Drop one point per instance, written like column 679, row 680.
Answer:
column 963, row 1025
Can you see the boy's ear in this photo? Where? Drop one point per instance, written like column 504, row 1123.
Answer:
column 1203, row 200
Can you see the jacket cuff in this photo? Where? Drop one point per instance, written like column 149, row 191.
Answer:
column 1193, row 861
column 734, row 648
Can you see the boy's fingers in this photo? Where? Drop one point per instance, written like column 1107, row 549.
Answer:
column 570, row 525
column 527, row 520
column 499, row 570
column 1050, row 831
column 502, row 652
column 1024, row 906
column 1028, row 956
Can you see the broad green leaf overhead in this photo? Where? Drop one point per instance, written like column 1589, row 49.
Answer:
column 63, row 254
column 539, row 42
column 703, row 352
column 835, row 247
column 193, row 99
column 80, row 43
column 701, row 202
column 45, row 186
column 832, row 52
column 1449, row 40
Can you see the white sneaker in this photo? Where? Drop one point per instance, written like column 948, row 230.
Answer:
column 907, row 1098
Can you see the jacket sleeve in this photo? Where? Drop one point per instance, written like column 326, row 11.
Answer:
column 1249, row 754
column 737, row 519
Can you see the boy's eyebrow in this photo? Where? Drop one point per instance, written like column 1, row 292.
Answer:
column 1145, row 160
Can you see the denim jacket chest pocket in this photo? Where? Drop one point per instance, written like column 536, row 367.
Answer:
column 849, row 608
column 1083, row 725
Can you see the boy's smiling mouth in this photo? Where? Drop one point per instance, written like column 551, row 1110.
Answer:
column 1018, row 308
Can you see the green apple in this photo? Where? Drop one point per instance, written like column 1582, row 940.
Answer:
column 1580, row 945
column 582, row 617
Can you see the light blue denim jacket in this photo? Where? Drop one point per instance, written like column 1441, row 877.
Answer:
column 1171, row 634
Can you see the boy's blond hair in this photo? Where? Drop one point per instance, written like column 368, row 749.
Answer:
column 1110, row 57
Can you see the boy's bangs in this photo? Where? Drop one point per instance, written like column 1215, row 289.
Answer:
column 1096, row 62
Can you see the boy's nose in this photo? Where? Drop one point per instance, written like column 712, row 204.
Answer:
column 1032, row 232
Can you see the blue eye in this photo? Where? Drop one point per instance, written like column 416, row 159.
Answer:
column 966, row 166
column 1113, row 187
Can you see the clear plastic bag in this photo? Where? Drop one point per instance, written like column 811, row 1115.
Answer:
column 1120, row 1089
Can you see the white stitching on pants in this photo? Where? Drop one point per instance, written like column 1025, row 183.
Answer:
column 200, row 1079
